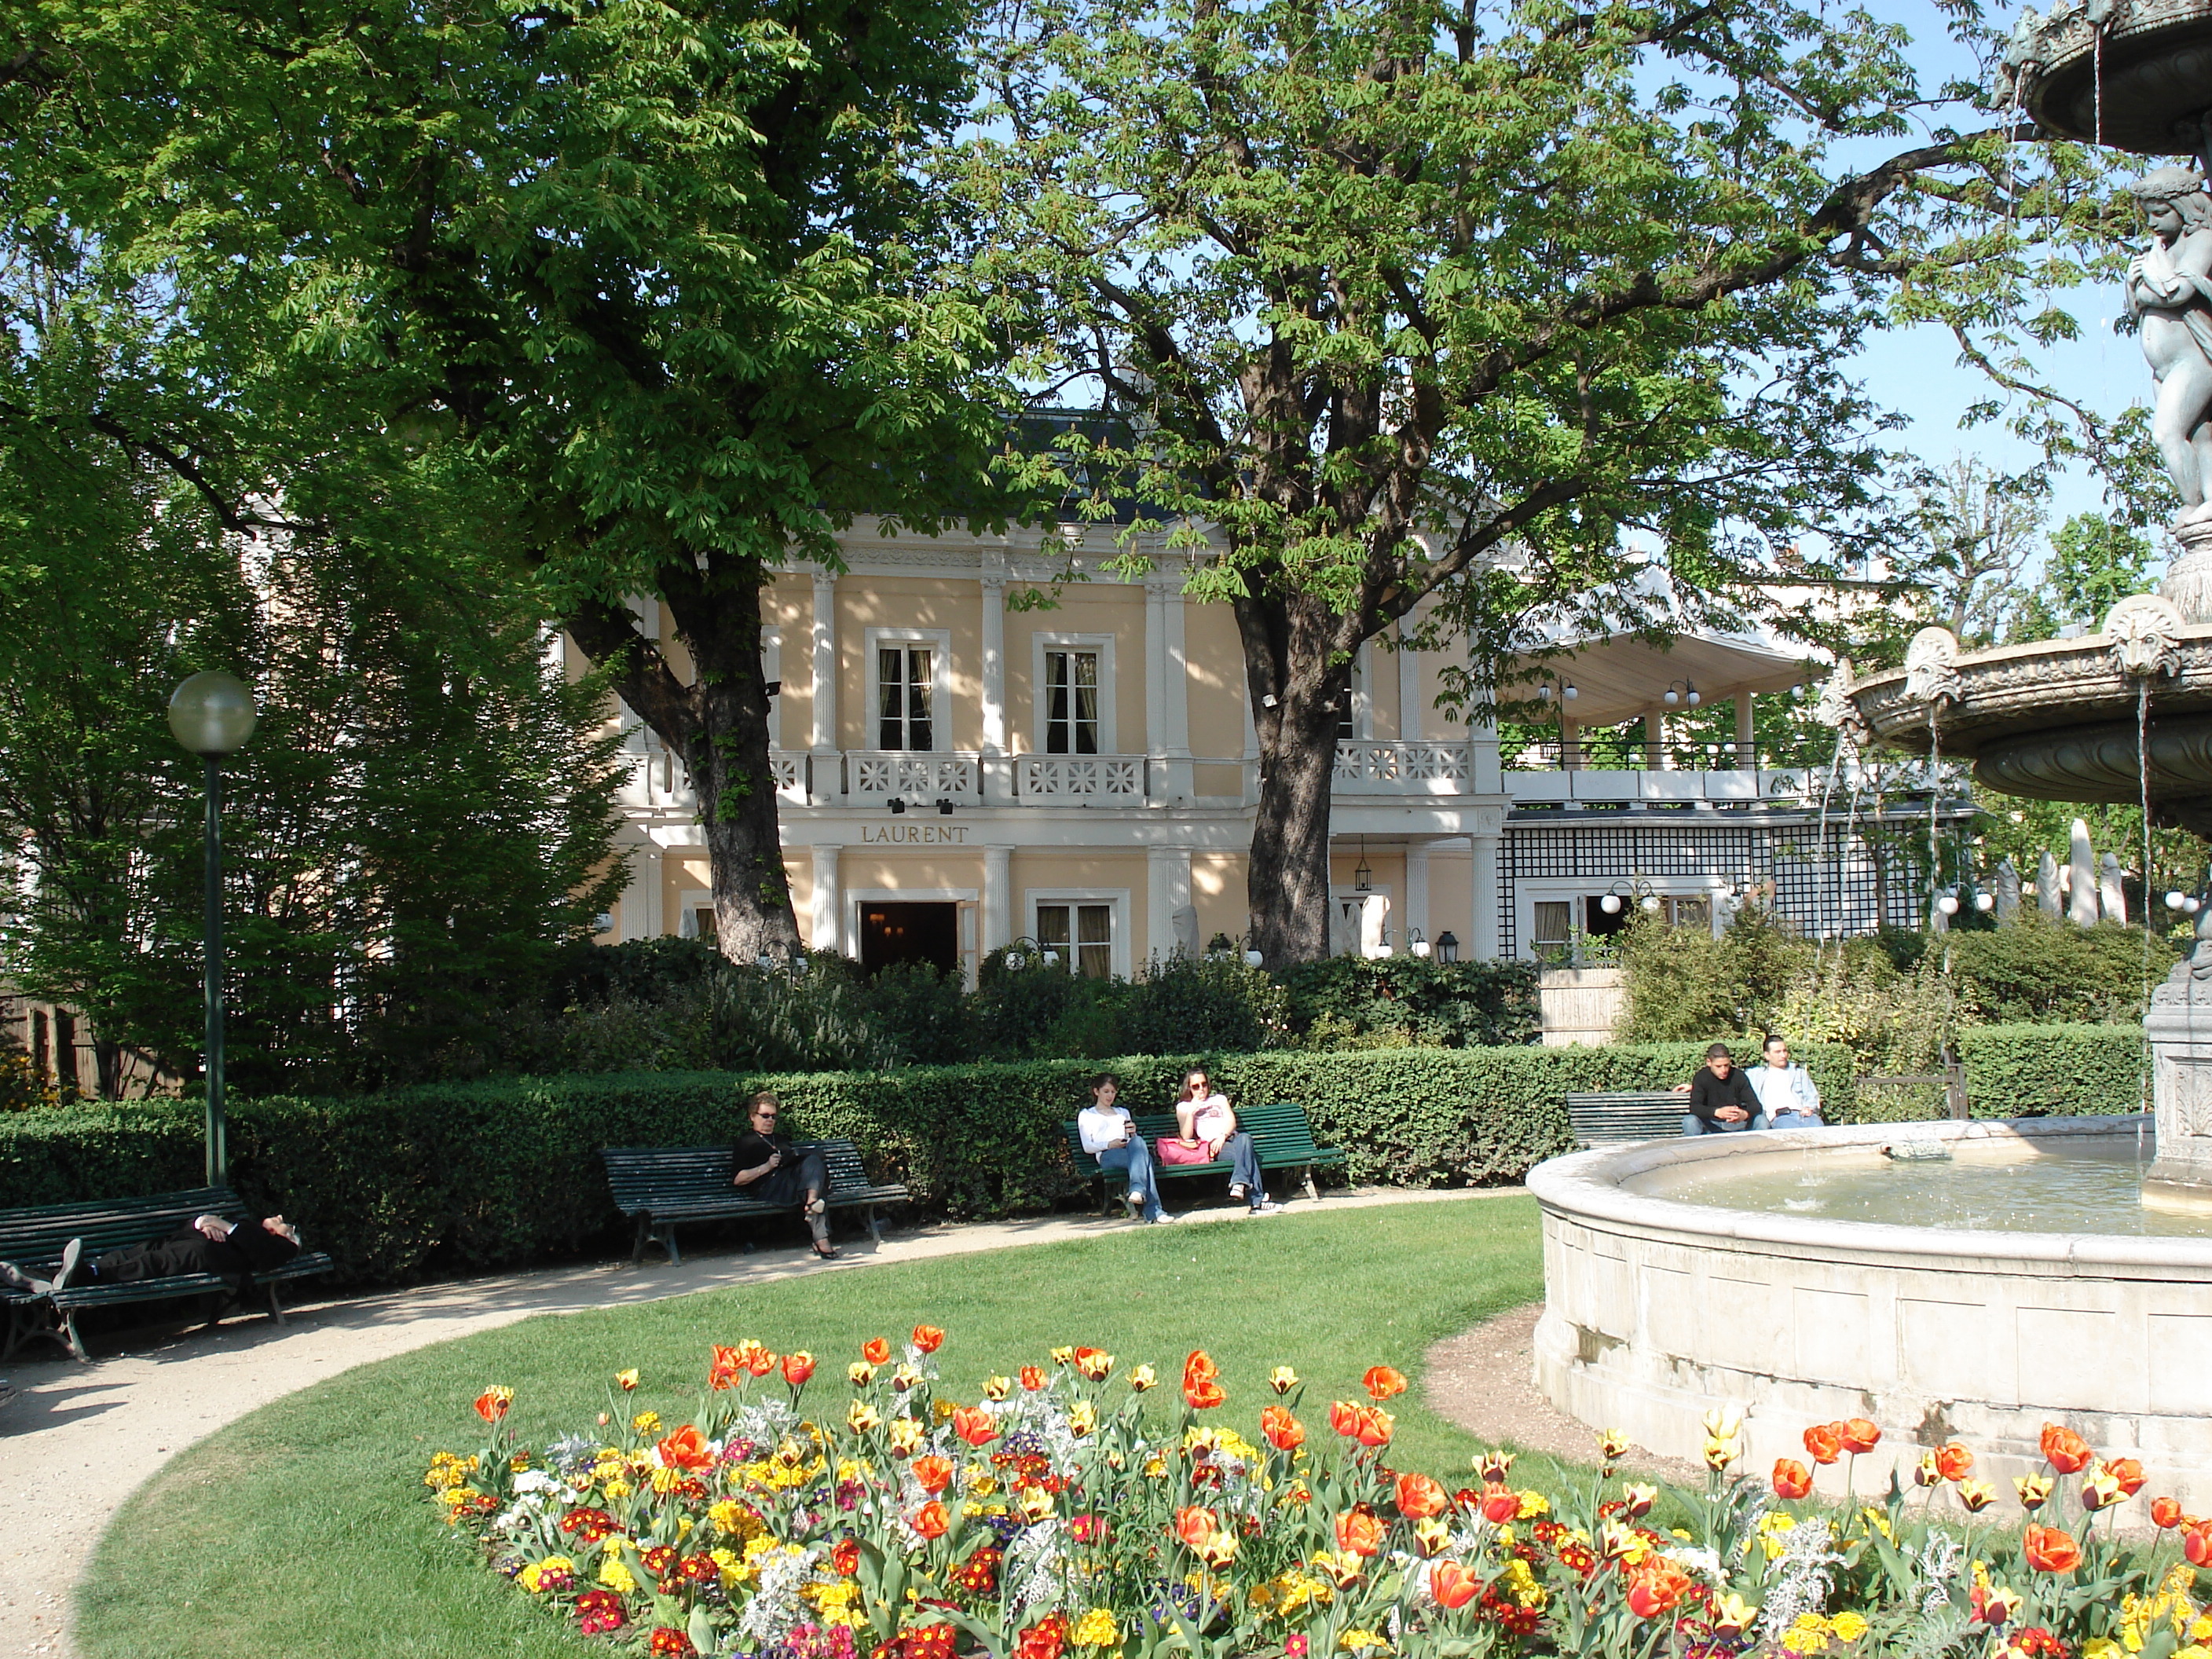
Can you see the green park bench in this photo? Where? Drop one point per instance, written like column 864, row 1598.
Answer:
column 658, row 1187
column 1624, row 1115
column 1281, row 1135
column 33, row 1240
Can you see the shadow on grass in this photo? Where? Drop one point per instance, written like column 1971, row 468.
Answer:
column 304, row 1525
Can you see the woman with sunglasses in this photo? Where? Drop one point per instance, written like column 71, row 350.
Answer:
column 1210, row 1133
column 770, row 1169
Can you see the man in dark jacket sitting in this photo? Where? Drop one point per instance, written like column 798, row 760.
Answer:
column 1722, row 1099
column 229, row 1249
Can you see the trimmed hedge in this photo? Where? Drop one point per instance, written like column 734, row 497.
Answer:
column 484, row 1176
column 2055, row 1071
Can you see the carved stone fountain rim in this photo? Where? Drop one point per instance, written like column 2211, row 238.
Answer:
column 2008, row 690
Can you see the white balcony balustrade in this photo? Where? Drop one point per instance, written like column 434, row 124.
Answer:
column 657, row 782
column 1373, row 767
column 1082, row 779
column 881, row 775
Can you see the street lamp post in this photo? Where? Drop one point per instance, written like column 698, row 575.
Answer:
column 212, row 715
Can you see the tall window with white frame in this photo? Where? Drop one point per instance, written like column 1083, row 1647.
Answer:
column 1070, row 701
column 1082, row 933
column 902, row 694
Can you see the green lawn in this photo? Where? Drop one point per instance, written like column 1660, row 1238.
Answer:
column 301, row 1528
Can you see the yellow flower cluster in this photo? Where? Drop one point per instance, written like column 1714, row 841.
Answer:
column 2171, row 1606
column 448, row 1471
column 1520, row 1582
column 1811, row 1633
column 838, row 1602
column 1362, row 1641
column 1096, row 1629
column 1772, row 1526
column 1290, row 1592
column 616, row 1577
column 534, row 1576
column 776, row 1475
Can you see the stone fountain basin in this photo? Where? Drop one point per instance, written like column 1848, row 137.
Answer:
column 2056, row 720
column 1658, row 1311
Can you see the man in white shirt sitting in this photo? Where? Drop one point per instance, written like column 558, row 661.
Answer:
column 1110, row 1135
column 1784, row 1091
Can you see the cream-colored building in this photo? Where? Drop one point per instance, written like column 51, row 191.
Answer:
column 954, row 776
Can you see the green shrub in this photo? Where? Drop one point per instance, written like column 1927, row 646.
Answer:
column 2061, row 1071
column 1407, row 1002
column 2046, row 971
column 921, row 1014
column 1208, row 1002
column 1685, row 980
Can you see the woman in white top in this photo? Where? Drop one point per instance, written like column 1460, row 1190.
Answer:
column 1210, row 1127
column 1110, row 1135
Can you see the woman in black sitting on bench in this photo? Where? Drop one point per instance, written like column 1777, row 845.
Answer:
column 768, row 1169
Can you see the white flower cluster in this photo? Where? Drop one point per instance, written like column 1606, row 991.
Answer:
column 775, row 1609
column 1800, row 1577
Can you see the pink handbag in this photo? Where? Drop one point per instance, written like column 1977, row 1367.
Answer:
column 1170, row 1149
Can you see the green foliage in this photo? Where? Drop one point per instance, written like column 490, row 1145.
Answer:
column 1685, row 983
column 2094, row 564
column 921, row 1013
column 1355, row 1002
column 2045, row 971
column 22, row 1087
column 1212, row 1002
column 2048, row 1070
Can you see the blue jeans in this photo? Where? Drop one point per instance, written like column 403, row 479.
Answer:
column 1796, row 1121
column 1694, row 1125
column 1244, row 1167
column 1136, row 1158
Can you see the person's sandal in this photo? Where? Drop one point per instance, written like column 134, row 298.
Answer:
column 816, row 1208
column 826, row 1250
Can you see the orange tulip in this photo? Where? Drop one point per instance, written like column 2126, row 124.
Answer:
column 1419, row 1497
column 2166, row 1512
column 1953, row 1462
column 758, row 1360
column 1859, row 1436
column 1792, row 1479
column 929, row 1338
column 686, row 1448
column 877, row 1350
column 932, row 1520
column 1196, row 1527
column 1380, row 1383
column 491, row 1405
column 1096, row 1363
column 798, row 1367
column 2129, row 1474
column 1360, row 1533
column 2197, row 1544
column 1453, row 1585
column 725, row 1370
column 1344, row 1418
column 1824, row 1442
column 1032, row 1378
column 933, row 1474
column 2050, row 1549
column 1656, row 1586
column 1283, row 1431
column 1204, row 1394
column 1500, row 1504
column 975, row 1425
column 2064, row 1450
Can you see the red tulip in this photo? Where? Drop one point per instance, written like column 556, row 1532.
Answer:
column 1380, row 1383
column 491, row 1405
column 1344, row 1418
column 1375, row 1426
column 1203, row 1394
column 1283, row 1431
column 1500, row 1503
column 1196, row 1527
column 758, row 1360
column 1792, row 1479
column 1032, row 1378
column 2129, row 1474
column 2166, row 1512
column 975, row 1425
column 686, row 1448
column 1453, row 1585
column 1419, row 1497
column 1360, row 1533
column 2197, row 1544
column 797, row 1368
column 933, row 1474
column 723, row 1369
column 1655, row 1587
column 2050, row 1549
column 2064, row 1450
column 876, row 1350
column 1824, row 1442
column 1859, row 1436
column 929, row 1338
column 932, row 1520
column 1953, row 1462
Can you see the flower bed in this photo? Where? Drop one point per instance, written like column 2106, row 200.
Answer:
column 1057, row 1518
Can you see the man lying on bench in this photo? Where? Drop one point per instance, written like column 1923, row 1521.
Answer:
column 227, row 1249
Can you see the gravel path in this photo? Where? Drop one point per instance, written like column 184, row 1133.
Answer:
column 77, row 1440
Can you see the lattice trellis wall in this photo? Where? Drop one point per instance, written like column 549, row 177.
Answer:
column 1822, row 891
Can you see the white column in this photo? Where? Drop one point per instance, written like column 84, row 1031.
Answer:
column 826, row 925
column 1484, row 776
column 1487, row 936
column 1746, row 742
column 998, row 897
column 640, row 900
column 1155, row 670
column 772, row 670
column 1176, row 780
column 1167, row 886
column 1654, row 740
column 1417, row 894
column 997, row 769
column 1409, row 692
column 825, row 664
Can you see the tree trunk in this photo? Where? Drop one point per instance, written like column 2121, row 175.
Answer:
column 718, row 725
column 1288, row 649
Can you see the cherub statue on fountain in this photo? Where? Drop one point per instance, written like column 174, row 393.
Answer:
column 2170, row 300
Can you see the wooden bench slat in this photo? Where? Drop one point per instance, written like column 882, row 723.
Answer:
column 1617, row 1116
column 659, row 1186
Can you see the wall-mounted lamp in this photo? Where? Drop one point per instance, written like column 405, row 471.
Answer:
column 772, row 688
column 897, row 805
column 1682, row 691
column 1568, row 692
column 943, row 807
column 1448, row 947
column 1363, row 878
column 1416, row 943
